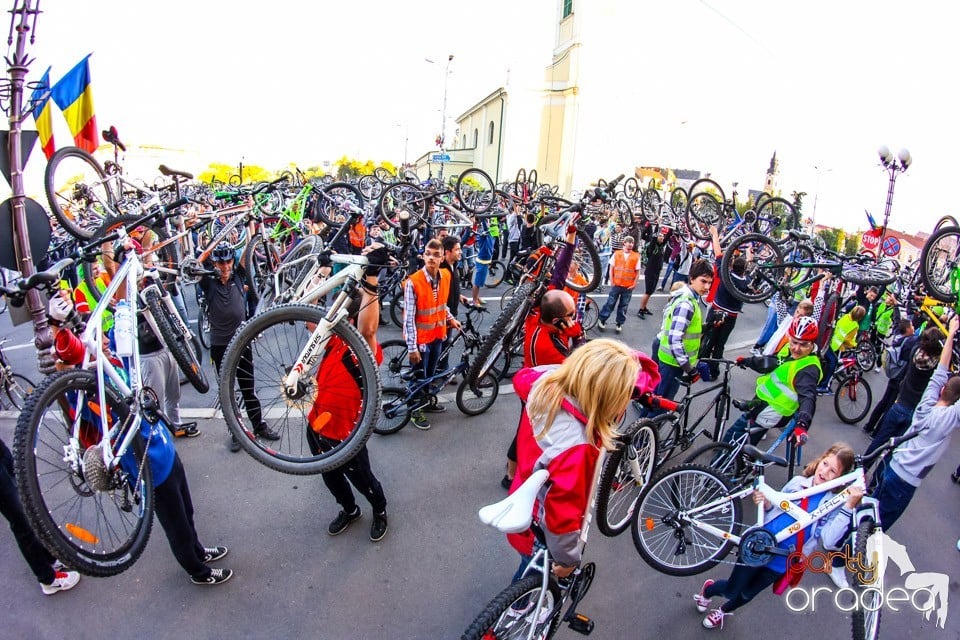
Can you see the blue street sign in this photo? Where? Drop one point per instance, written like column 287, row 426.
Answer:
column 440, row 157
column 891, row 246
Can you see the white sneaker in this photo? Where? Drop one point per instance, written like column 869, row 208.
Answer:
column 756, row 352
column 838, row 578
column 702, row 601
column 619, row 328
column 601, row 324
column 62, row 581
column 715, row 618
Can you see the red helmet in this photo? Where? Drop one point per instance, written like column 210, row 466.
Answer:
column 803, row 328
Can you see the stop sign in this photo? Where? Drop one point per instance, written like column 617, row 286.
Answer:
column 870, row 241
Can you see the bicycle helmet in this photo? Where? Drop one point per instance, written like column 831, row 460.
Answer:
column 803, row 328
column 222, row 253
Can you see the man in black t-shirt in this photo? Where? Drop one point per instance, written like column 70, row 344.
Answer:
column 230, row 298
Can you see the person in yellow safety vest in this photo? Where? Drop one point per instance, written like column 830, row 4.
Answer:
column 624, row 269
column 677, row 346
column 844, row 338
column 425, row 320
column 888, row 315
column 788, row 390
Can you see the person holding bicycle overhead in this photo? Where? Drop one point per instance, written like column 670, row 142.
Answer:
column 746, row 582
column 788, row 391
column 566, row 420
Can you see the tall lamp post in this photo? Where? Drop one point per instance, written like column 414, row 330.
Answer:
column 893, row 166
column 816, row 195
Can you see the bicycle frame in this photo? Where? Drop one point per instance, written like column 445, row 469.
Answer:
column 683, row 412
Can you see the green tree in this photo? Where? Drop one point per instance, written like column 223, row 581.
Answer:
column 852, row 244
column 830, row 237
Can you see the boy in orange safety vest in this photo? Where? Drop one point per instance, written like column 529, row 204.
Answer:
column 624, row 269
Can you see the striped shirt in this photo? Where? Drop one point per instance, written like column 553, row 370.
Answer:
column 410, row 306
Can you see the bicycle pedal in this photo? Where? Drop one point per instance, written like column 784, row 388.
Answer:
column 581, row 624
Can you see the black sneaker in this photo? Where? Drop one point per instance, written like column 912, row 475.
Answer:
column 212, row 554
column 505, row 482
column 435, row 406
column 379, row 527
column 233, row 445
column 342, row 521
column 217, row 576
column 264, row 431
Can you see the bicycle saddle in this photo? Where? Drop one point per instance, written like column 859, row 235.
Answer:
column 756, row 455
column 798, row 235
column 514, row 513
column 111, row 136
column 167, row 171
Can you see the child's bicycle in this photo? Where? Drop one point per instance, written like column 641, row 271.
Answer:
column 852, row 395
column 689, row 518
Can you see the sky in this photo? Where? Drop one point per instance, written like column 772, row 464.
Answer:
column 716, row 86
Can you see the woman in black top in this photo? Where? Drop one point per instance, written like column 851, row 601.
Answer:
column 655, row 241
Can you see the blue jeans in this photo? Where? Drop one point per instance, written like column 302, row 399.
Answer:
column 770, row 326
column 740, row 427
column 668, row 386
column 829, row 366
column 894, row 495
column 621, row 294
column 742, row 586
column 894, row 424
column 429, row 359
column 671, row 269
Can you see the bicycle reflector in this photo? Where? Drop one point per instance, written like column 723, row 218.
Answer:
column 81, row 534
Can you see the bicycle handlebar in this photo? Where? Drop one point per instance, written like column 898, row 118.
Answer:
column 891, row 444
column 657, row 402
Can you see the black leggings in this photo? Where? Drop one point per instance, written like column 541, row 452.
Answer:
column 244, row 378
column 357, row 472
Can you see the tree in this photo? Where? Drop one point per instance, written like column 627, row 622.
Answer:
column 230, row 174
column 831, row 238
column 852, row 244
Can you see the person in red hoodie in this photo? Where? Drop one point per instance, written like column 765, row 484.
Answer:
column 566, row 420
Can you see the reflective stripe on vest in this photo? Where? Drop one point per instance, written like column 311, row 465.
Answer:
column 776, row 388
column 691, row 337
column 625, row 269
column 845, row 325
column 431, row 313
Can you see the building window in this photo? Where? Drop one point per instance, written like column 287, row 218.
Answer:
column 464, row 141
column 567, row 7
column 490, row 134
column 476, row 137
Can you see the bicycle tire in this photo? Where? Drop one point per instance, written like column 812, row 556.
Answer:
column 619, row 486
column 275, row 339
column 779, row 209
column 631, row 187
column 650, row 203
column 703, row 211
column 678, row 199
column 510, row 360
column 668, row 429
column 682, row 488
column 261, row 258
column 394, row 362
column 852, row 400
column 507, row 323
column 476, row 199
column 507, row 296
column 181, row 347
column 591, row 314
column 475, row 399
column 99, row 533
column 498, row 620
column 279, row 287
column 828, row 320
column 585, row 256
column 945, row 221
column 165, row 258
column 495, row 273
column 866, row 355
column 936, row 274
column 17, row 388
column 402, row 196
column 519, row 184
column 701, row 185
column 328, row 211
column 203, row 326
column 392, row 399
column 722, row 457
column 867, row 274
column 865, row 624
column 761, row 284
column 370, row 186
column 396, row 308
column 74, row 204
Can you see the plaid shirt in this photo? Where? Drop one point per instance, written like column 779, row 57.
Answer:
column 681, row 318
column 410, row 310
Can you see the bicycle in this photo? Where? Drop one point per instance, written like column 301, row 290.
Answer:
column 689, row 518
column 80, row 443
column 15, row 386
column 474, row 191
column 852, row 397
column 704, row 209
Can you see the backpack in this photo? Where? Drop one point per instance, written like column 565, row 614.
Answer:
column 893, row 361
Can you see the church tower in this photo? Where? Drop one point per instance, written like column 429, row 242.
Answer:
column 771, row 185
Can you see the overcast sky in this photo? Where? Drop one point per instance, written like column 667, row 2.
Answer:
column 717, row 86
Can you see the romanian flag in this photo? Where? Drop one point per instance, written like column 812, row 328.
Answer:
column 41, row 114
column 75, row 98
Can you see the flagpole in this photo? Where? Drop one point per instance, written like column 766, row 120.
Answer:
column 21, row 23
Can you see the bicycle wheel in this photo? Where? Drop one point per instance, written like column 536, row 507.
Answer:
column 263, row 352
column 77, row 192
column 370, row 187
column 764, row 271
column 475, row 189
column 866, row 355
column 866, row 616
column 501, row 333
column 661, row 527
column 591, row 314
column 519, row 184
column 513, row 613
column 584, row 275
column 94, row 520
column 328, row 207
column 17, row 388
column 650, row 204
column 495, row 273
column 283, row 285
column 678, row 200
column 668, row 428
column 703, row 211
column 722, row 457
column 508, row 295
column 940, row 264
column 402, row 196
column 631, row 187
column 164, row 258
column 707, row 185
column 181, row 346
column 394, row 412
column 852, row 400
column 773, row 213
column 396, row 308
column 625, row 473
column 474, row 399
column 394, row 363
column 868, row 274
column 203, row 325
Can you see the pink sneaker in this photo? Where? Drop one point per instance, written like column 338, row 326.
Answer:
column 715, row 618
column 702, row 602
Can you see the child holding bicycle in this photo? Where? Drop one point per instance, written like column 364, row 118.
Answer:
column 565, row 422
column 844, row 338
column 745, row 582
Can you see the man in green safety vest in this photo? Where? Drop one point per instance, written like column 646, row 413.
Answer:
column 788, row 391
column 677, row 346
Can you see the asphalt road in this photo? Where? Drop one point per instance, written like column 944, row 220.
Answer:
column 438, row 566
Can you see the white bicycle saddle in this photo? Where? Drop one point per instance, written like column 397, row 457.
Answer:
column 514, row 513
